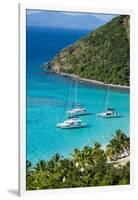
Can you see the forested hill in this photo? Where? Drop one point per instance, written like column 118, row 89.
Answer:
column 101, row 55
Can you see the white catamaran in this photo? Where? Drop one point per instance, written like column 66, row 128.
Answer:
column 77, row 109
column 71, row 123
column 109, row 112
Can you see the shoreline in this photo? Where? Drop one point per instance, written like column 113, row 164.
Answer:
column 93, row 82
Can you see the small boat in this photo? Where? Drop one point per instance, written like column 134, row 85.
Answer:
column 109, row 112
column 71, row 123
column 77, row 110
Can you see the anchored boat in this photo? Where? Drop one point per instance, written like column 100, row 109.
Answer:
column 71, row 123
column 77, row 109
column 109, row 112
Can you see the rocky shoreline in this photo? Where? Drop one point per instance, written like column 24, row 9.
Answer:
column 93, row 82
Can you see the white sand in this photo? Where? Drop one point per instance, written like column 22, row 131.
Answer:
column 121, row 161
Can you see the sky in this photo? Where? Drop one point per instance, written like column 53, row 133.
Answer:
column 105, row 17
column 67, row 20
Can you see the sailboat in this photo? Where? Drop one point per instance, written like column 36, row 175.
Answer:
column 109, row 112
column 78, row 109
column 71, row 123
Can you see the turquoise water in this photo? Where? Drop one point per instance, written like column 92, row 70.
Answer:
column 47, row 97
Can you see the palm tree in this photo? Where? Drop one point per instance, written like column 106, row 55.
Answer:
column 29, row 168
column 56, row 158
column 97, row 145
column 118, row 146
column 124, row 142
column 41, row 166
column 28, row 164
column 87, row 167
column 88, row 158
column 127, row 145
column 56, row 162
column 76, row 157
column 111, row 151
column 99, row 156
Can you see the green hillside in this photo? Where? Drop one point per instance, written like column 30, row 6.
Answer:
column 101, row 55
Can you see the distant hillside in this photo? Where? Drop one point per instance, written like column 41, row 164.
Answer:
column 102, row 55
column 64, row 20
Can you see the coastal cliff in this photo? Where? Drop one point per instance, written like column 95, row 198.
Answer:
column 102, row 55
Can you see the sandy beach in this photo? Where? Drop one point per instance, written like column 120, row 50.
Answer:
column 121, row 161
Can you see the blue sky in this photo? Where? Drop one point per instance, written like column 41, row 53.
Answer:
column 105, row 17
column 68, row 20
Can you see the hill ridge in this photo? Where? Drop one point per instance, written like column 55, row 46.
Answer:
column 101, row 55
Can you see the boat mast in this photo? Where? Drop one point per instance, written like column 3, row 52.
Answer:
column 70, row 95
column 76, row 93
column 106, row 103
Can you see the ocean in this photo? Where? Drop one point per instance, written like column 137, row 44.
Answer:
column 47, row 98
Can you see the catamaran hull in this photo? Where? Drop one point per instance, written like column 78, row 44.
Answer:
column 78, row 114
column 71, row 126
column 107, row 116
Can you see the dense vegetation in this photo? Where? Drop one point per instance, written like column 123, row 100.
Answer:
column 102, row 55
column 91, row 166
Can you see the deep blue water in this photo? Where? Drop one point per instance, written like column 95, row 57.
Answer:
column 47, row 97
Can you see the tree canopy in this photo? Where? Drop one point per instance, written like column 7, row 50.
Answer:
column 102, row 55
column 87, row 167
